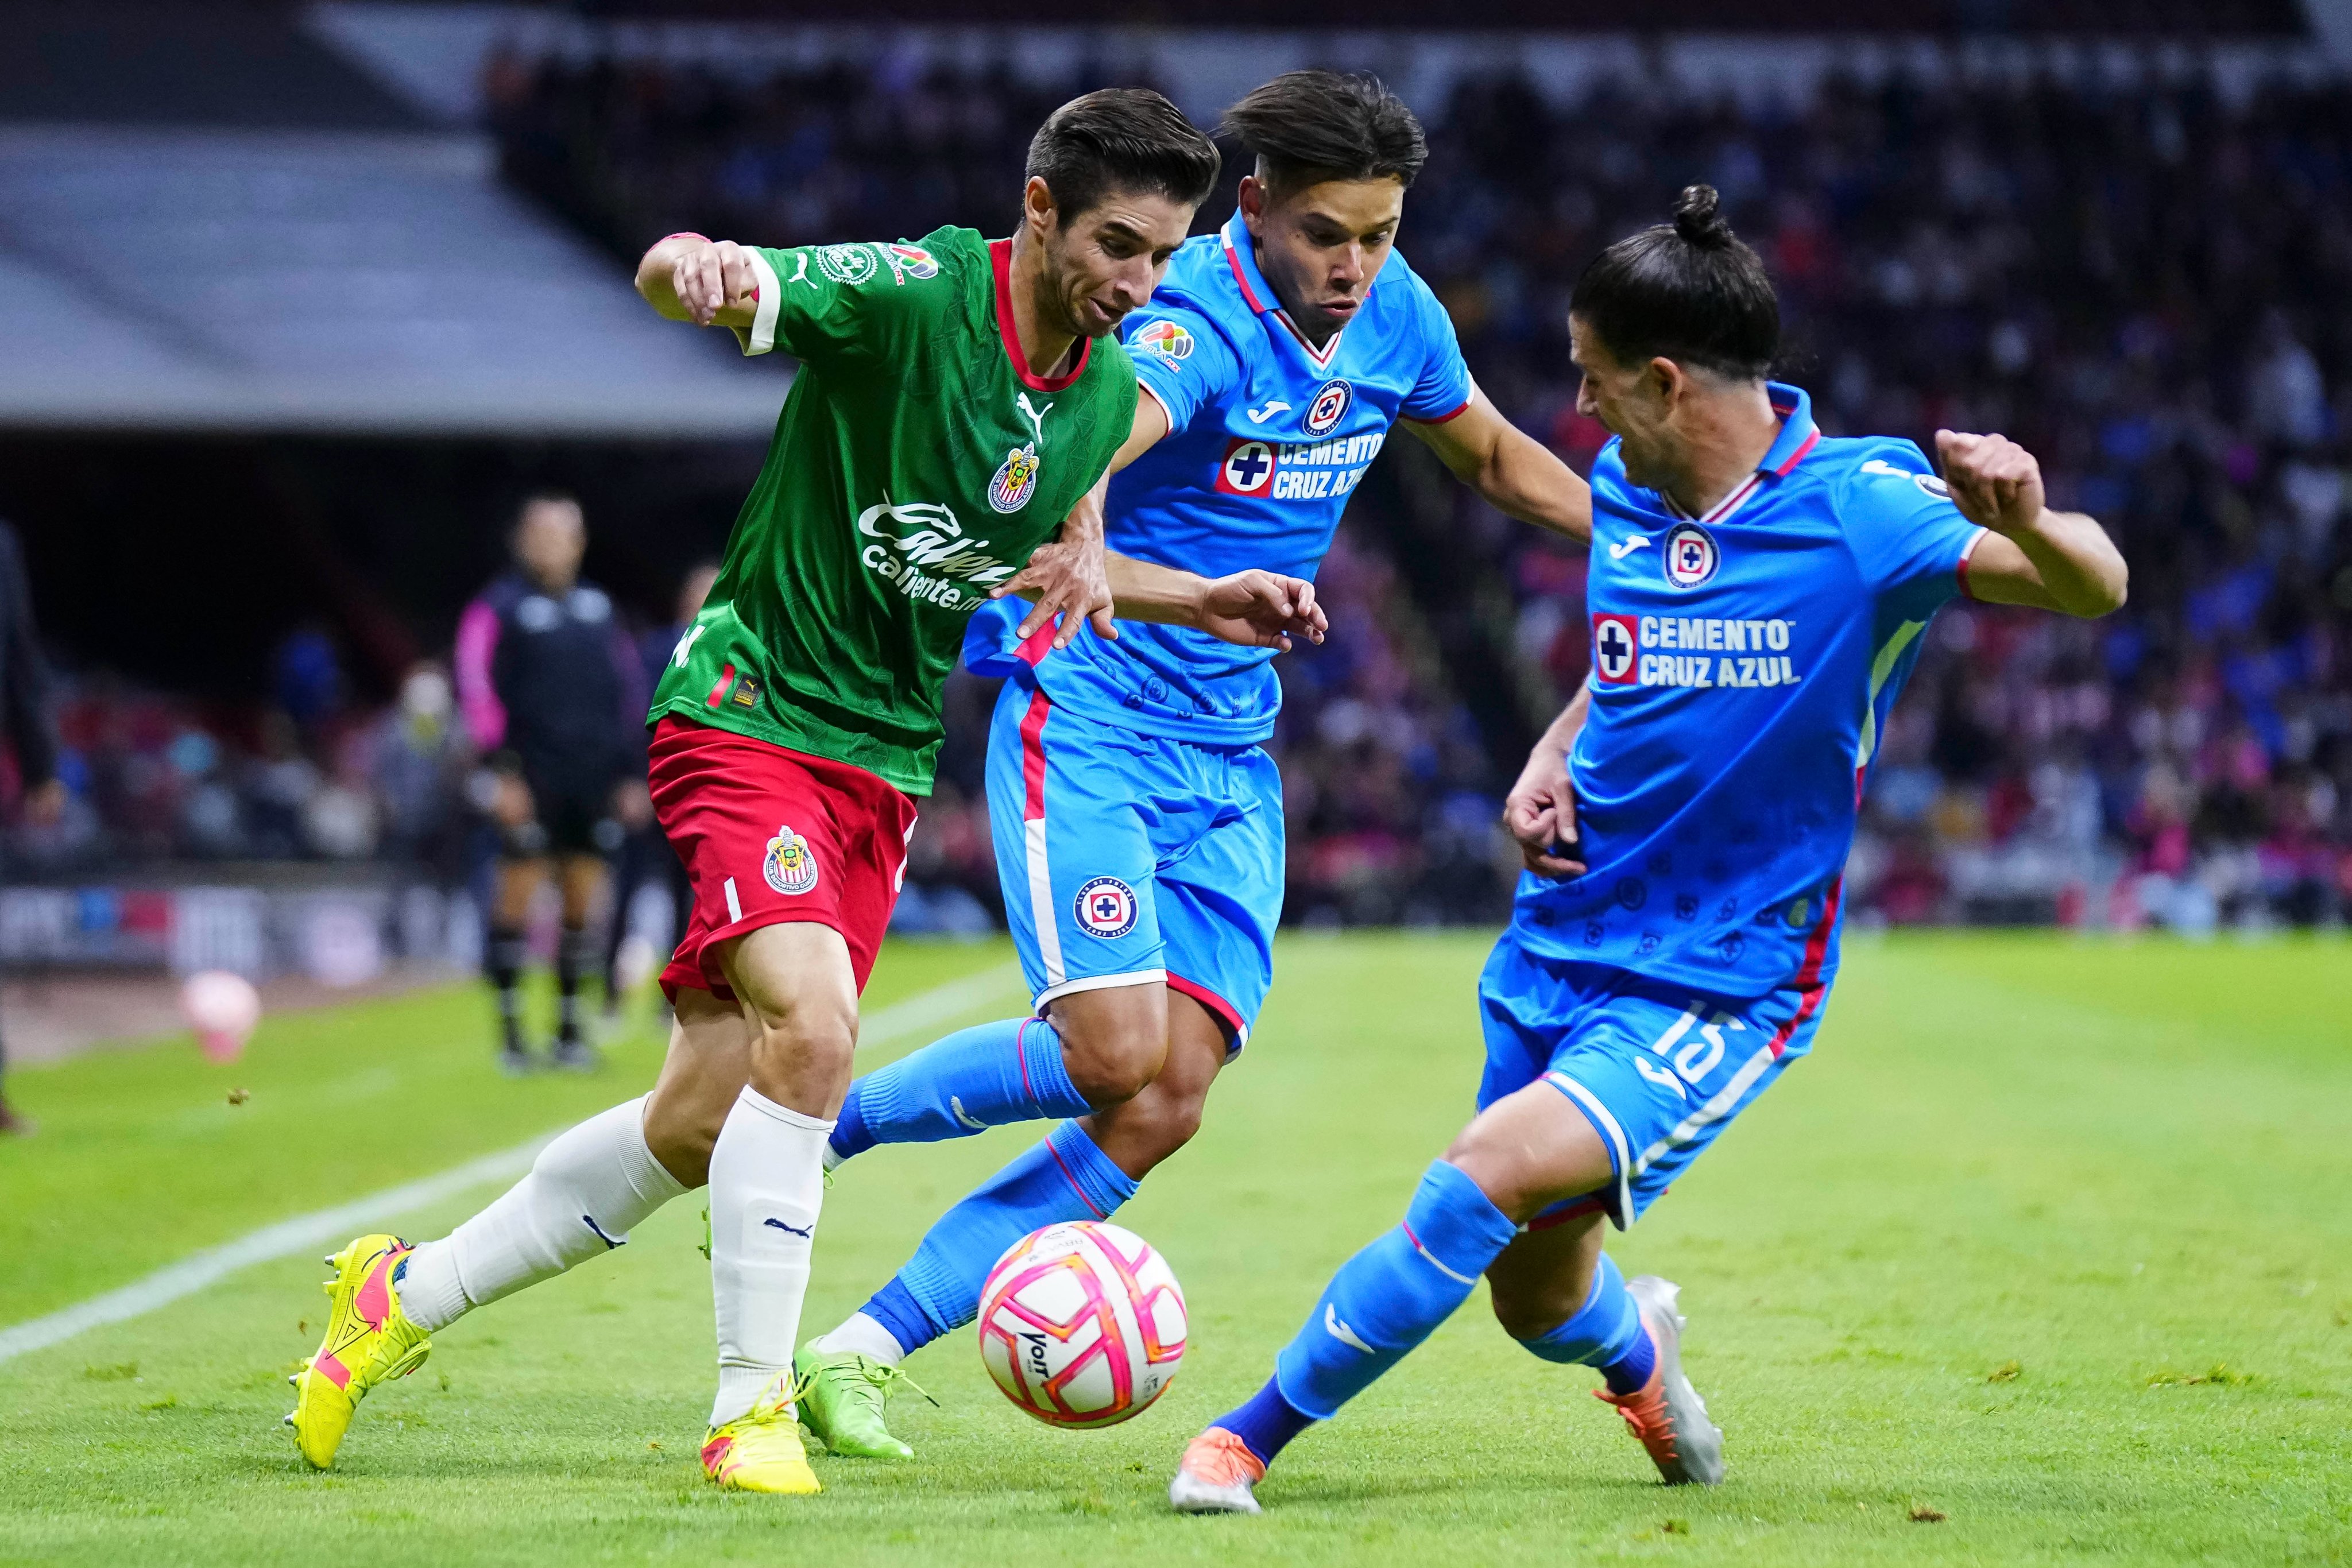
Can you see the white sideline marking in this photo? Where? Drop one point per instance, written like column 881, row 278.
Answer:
column 322, row 1227
column 327, row 1227
column 925, row 1011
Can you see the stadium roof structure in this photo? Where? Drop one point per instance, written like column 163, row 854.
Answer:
column 209, row 278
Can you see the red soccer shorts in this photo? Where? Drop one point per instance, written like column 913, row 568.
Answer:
column 770, row 836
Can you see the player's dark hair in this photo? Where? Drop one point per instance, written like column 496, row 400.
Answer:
column 1121, row 139
column 1691, row 291
column 1306, row 126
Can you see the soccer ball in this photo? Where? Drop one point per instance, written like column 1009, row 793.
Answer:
column 222, row 1009
column 1082, row 1324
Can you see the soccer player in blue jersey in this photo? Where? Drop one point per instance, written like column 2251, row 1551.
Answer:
column 1757, row 594
column 1138, row 820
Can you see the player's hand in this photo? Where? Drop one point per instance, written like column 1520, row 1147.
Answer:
column 1995, row 483
column 711, row 276
column 1069, row 580
column 1541, row 813
column 1260, row 610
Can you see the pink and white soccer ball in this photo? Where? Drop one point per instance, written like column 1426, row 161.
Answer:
column 1082, row 1324
column 222, row 1009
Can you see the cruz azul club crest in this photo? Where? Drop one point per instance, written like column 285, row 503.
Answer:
column 1690, row 556
column 1330, row 406
column 1016, row 478
column 789, row 865
column 1106, row 907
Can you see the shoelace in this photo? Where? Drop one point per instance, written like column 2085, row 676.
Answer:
column 1222, row 1459
column 1649, row 1419
column 885, row 1377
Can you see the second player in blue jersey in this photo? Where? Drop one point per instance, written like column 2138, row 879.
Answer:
column 1757, row 594
column 1137, row 821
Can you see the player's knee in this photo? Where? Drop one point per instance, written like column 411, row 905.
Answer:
column 680, row 1133
column 1113, row 1049
column 1530, row 1309
column 1499, row 1171
column 1159, row 1121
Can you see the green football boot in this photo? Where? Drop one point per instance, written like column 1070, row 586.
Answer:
column 842, row 1405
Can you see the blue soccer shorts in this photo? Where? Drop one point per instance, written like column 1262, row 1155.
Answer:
column 1658, row 1068
column 1128, row 857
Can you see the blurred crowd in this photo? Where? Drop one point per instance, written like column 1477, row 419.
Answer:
column 2141, row 286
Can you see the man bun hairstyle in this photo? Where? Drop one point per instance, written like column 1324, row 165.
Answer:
column 1121, row 139
column 1692, row 292
column 1306, row 126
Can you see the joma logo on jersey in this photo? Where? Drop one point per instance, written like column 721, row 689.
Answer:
column 923, row 553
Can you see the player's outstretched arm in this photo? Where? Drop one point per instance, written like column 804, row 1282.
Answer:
column 1540, row 811
column 1066, row 575
column 1515, row 473
column 710, row 283
column 1254, row 609
column 2052, row 560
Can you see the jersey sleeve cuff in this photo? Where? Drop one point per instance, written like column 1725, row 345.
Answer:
column 760, row 337
column 1456, row 412
column 1175, row 426
column 1968, row 553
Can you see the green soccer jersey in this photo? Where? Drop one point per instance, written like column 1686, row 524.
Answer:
column 916, row 465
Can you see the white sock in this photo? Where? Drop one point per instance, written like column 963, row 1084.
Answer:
column 583, row 1195
column 863, row 1335
column 767, row 1184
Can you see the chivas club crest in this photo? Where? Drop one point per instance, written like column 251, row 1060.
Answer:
column 790, row 866
column 1016, row 477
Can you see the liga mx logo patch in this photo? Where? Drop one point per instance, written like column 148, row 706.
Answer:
column 910, row 261
column 1330, row 406
column 1166, row 339
column 1016, row 477
column 1106, row 907
column 1690, row 556
column 789, row 865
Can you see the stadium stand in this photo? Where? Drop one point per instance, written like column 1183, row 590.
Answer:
column 2031, row 251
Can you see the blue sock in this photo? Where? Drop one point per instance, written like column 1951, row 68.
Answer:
column 1386, row 1299
column 1607, row 1331
column 1063, row 1178
column 978, row 1078
column 1266, row 1424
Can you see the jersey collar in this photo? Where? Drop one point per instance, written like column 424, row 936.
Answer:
column 1798, row 436
column 1798, row 432
column 1241, row 256
column 1000, row 263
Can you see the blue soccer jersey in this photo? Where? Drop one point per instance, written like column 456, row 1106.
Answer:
column 1266, row 438
column 1743, row 665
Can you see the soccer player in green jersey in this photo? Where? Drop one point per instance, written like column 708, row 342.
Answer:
column 957, row 398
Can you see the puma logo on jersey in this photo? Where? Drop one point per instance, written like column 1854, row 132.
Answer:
column 1624, row 548
column 800, row 273
column 1260, row 416
column 1036, row 416
column 685, row 646
column 1340, row 1330
column 955, row 1103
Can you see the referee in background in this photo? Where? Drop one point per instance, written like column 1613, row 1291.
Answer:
column 31, row 726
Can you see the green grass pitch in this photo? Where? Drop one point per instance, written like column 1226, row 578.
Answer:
column 2044, row 1256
